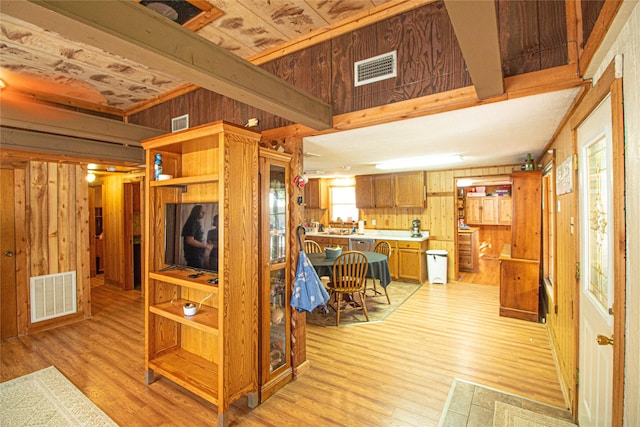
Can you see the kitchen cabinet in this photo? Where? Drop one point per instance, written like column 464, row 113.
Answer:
column 504, row 210
column 275, row 290
column 315, row 194
column 487, row 210
column 365, row 194
column 374, row 191
column 412, row 262
column 393, row 257
column 330, row 242
column 384, row 190
column 410, row 190
column 520, row 260
column 468, row 257
column 213, row 353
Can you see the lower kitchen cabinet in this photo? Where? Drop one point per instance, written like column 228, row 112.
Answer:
column 412, row 262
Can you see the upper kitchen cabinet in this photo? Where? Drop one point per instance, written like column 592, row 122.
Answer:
column 365, row 195
column 315, row 196
column 384, row 190
column 489, row 210
column 410, row 190
column 374, row 191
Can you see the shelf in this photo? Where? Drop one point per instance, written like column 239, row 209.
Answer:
column 190, row 371
column 205, row 319
column 185, row 180
column 179, row 278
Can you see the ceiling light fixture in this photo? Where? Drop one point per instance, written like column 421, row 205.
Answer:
column 417, row 162
column 90, row 177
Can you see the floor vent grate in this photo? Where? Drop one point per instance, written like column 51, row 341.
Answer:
column 53, row 295
column 374, row 69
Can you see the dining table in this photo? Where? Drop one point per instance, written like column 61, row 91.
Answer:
column 378, row 266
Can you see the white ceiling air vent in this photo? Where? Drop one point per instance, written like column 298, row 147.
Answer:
column 179, row 123
column 374, row 69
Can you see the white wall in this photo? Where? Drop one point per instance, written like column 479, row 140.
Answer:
column 628, row 44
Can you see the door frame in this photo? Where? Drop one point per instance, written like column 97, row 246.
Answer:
column 610, row 83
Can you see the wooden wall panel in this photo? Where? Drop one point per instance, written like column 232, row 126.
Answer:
column 56, row 216
column 429, row 61
column 590, row 11
column 563, row 312
column 553, row 33
column 533, row 35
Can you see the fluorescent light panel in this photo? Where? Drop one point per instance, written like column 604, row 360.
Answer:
column 416, row 162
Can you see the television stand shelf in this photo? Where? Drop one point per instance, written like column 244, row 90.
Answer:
column 213, row 353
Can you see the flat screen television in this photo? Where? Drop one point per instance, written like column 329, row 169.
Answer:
column 191, row 236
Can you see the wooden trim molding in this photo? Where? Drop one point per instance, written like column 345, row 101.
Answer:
column 602, row 25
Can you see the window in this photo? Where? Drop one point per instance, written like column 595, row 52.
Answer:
column 343, row 203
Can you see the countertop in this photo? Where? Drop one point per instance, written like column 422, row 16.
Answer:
column 400, row 235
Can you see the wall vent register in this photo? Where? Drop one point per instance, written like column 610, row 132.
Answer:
column 374, row 69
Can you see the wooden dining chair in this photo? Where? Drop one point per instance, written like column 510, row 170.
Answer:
column 383, row 248
column 347, row 281
column 312, row 247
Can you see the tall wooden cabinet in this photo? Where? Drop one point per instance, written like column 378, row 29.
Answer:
column 520, row 260
column 275, row 289
column 214, row 353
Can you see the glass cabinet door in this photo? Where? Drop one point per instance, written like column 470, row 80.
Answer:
column 277, row 214
column 278, row 252
column 275, row 320
column 278, row 336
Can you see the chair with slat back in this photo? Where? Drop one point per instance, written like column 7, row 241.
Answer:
column 312, row 247
column 348, row 279
column 383, row 248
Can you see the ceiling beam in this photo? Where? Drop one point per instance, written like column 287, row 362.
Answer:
column 22, row 113
column 133, row 31
column 67, row 148
column 476, row 26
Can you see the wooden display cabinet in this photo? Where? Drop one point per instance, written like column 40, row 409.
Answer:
column 520, row 260
column 275, row 288
column 213, row 353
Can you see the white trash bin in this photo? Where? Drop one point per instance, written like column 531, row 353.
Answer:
column 437, row 266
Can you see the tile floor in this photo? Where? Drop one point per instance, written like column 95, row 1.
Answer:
column 471, row 405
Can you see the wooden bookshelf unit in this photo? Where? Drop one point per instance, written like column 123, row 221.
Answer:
column 213, row 353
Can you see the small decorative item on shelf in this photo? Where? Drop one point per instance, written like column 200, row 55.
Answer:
column 528, row 164
column 189, row 309
column 157, row 167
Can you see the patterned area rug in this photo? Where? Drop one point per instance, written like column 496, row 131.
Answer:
column 471, row 404
column 377, row 307
column 506, row 415
column 47, row 398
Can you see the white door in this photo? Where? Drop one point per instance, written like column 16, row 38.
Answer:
column 596, row 265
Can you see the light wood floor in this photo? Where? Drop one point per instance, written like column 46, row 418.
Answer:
column 394, row 373
column 488, row 273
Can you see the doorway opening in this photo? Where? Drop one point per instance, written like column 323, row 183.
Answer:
column 483, row 224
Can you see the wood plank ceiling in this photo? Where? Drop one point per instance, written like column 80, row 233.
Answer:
column 97, row 75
